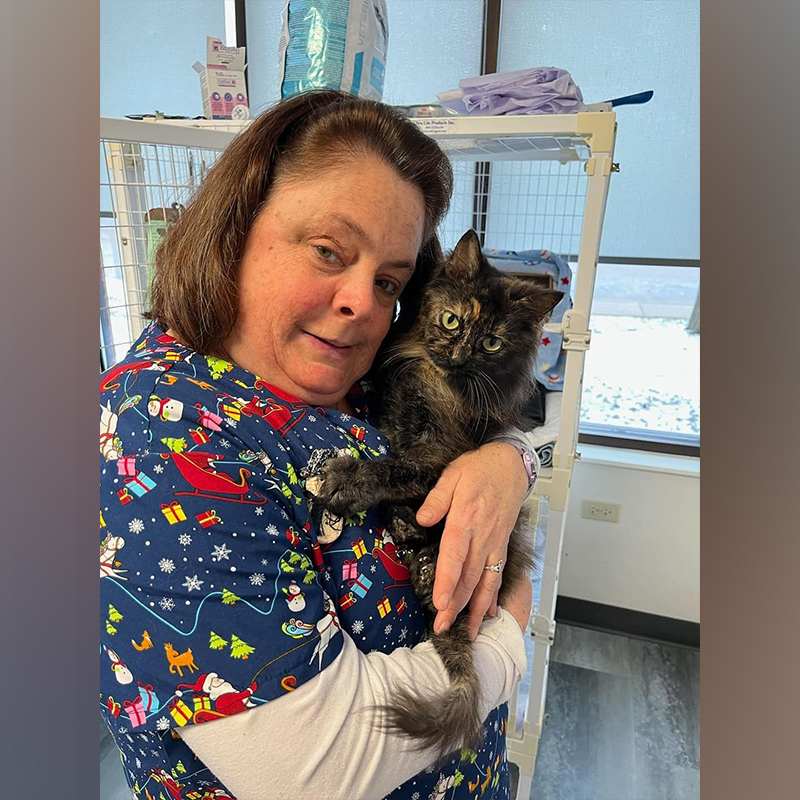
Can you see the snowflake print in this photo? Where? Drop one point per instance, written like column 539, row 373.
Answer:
column 284, row 514
column 415, row 796
column 403, row 634
column 167, row 603
column 372, row 568
column 193, row 583
column 312, row 418
column 257, row 579
column 387, row 630
column 225, row 443
column 264, row 562
column 136, row 526
column 430, row 769
column 220, row 551
column 346, row 417
column 358, row 626
column 259, row 511
column 158, row 468
column 231, row 423
column 162, row 724
column 272, row 530
column 382, row 449
column 185, row 539
column 495, row 726
column 166, row 565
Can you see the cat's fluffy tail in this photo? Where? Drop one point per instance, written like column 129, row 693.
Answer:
column 445, row 722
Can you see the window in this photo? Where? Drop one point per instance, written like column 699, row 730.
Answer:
column 642, row 372
column 147, row 48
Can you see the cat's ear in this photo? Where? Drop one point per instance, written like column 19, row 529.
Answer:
column 540, row 302
column 466, row 259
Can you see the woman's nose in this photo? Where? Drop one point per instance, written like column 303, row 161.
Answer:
column 355, row 297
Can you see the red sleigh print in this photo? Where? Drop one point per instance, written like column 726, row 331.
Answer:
column 398, row 572
column 110, row 382
column 197, row 470
column 281, row 413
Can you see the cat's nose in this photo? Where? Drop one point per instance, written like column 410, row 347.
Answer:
column 458, row 359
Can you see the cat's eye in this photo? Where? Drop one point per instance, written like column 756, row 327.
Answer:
column 449, row 320
column 491, row 344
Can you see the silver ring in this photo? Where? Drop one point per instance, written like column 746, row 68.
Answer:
column 498, row 567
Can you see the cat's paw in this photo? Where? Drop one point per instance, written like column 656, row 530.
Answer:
column 422, row 566
column 340, row 490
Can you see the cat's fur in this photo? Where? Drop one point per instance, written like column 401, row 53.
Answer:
column 442, row 395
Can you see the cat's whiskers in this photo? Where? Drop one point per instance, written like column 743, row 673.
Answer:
column 492, row 385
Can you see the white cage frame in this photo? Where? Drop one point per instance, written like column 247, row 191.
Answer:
column 583, row 139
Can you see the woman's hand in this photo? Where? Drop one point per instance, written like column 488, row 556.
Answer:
column 481, row 492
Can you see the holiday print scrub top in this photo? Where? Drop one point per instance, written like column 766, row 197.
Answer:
column 216, row 595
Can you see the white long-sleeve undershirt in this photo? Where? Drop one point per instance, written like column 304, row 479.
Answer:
column 319, row 741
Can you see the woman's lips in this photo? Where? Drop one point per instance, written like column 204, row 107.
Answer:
column 332, row 348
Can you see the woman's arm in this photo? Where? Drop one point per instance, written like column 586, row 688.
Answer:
column 481, row 493
column 321, row 739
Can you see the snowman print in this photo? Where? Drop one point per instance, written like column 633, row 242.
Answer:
column 295, row 597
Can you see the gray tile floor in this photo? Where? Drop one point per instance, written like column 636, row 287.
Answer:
column 623, row 720
column 623, row 723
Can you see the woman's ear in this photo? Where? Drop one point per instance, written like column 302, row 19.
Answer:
column 466, row 259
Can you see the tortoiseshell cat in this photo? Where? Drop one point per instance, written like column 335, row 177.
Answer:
column 456, row 378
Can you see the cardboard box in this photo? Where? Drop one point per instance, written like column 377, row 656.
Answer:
column 222, row 81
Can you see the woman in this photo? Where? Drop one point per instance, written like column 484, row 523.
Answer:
column 272, row 296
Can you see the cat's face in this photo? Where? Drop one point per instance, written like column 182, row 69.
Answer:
column 480, row 326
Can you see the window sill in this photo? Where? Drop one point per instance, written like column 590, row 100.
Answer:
column 648, row 461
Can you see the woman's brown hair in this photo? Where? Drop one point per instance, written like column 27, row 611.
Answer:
column 195, row 289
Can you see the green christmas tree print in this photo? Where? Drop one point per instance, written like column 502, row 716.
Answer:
column 468, row 754
column 113, row 614
column 110, row 629
column 229, row 598
column 239, row 648
column 216, row 642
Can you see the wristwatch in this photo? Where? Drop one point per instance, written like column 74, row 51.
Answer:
column 527, row 458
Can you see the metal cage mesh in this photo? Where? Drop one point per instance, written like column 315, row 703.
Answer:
column 514, row 204
column 143, row 187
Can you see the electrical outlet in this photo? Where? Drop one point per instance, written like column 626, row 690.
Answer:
column 596, row 509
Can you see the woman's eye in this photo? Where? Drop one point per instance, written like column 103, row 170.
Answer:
column 390, row 287
column 449, row 320
column 491, row 344
column 327, row 254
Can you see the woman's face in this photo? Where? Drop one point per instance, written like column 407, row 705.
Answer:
column 323, row 266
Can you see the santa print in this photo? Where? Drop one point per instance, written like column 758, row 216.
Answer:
column 226, row 699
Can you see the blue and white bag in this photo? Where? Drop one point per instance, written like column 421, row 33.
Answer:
column 334, row 44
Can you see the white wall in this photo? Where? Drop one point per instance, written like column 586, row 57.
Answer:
column 650, row 560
